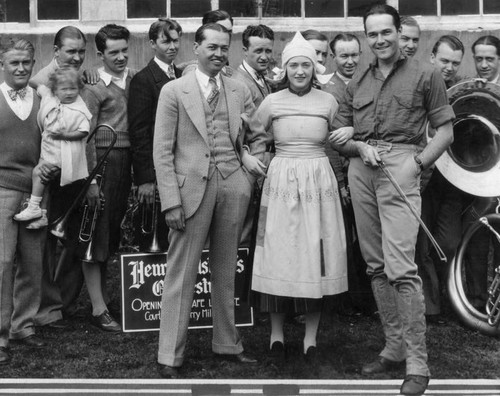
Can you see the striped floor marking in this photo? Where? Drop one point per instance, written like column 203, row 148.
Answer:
column 41, row 387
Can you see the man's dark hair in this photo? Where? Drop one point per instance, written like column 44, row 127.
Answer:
column 110, row 32
column 453, row 42
column 487, row 40
column 383, row 9
column 215, row 16
column 164, row 25
column 312, row 34
column 343, row 37
column 261, row 31
column 200, row 33
column 70, row 32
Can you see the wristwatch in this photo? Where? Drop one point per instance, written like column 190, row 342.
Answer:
column 419, row 163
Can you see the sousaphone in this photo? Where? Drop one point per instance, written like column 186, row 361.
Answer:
column 472, row 164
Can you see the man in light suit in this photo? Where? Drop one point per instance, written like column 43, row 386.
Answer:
column 258, row 43
column 164, row 37
column 206, row 159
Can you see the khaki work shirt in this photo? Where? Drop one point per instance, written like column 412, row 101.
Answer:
column 395, row 109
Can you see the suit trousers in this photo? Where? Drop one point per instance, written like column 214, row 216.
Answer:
column 60, row 296
column 220, row 216
column 387, row 235
column 20, row 270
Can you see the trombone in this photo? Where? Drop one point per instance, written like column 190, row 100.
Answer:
column 89, row 219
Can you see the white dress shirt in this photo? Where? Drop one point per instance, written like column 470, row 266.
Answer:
column 167, row 68
column 256, row 76
column 206, row 88
column 20, row 107
column 108, row 78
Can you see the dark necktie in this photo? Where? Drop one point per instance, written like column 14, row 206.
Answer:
column 213, row 98
column 13, row 94
column 263, row 82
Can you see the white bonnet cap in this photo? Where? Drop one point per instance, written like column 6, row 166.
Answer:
column 299, row 46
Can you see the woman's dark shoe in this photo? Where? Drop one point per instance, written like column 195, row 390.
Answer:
column 278, row 350
column 311, row 354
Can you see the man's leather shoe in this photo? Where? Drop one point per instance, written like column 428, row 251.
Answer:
column 381, row 365
column 414, row 385
column 4, row 355
column 168, row 371
column 32, row 341
column 239, row 358
column 60, row 324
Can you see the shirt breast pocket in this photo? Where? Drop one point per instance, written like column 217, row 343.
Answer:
column 364, row 120
column 407, row 112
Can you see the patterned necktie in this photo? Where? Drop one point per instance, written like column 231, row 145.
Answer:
column 213, row 98
column 171, row 72
column 13, row 94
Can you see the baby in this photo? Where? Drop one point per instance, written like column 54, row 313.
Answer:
column 65, row 121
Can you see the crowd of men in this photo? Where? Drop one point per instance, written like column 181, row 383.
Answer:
column 194, row 156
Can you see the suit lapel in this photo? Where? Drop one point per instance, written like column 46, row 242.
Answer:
column 233, row 109
column 159, row 76
column 192, row 101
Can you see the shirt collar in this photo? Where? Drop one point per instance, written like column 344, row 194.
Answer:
column 108, row 78
column 245, row 66
column 163, row 65
column 495, row 80
column 402, row 58
column 203, row 79
column 343, row 78
column 4, row 87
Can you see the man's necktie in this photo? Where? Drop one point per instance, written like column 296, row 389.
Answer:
column 171, row 72
column 13, row 94
column 263, row 82
column 213, row 98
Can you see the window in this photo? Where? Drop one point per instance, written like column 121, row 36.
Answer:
column 146, row 8
column 189, row 8
column 491, row 6
column 422, row 7
column 357, row 8
column 324, row 8
column 14, row 11
column 58, row 9
column 281, row 8
column 459, row 7
column 240, row 8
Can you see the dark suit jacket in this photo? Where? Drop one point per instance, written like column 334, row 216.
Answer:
column 145, row 89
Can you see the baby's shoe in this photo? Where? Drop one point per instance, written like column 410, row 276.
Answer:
column 39, row 223
column 29, row 213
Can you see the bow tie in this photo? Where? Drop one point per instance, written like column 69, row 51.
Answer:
column 13, row 94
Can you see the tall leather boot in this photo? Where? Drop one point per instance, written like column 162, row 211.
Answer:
column 411, row 308
column 385, row 297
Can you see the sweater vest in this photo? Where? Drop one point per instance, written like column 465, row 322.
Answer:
column 19, row 146
column 114, row 113
column 222, row 154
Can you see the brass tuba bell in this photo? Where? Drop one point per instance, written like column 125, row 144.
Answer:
column 472, row 164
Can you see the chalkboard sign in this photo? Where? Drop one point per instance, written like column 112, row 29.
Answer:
column 142, row 276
